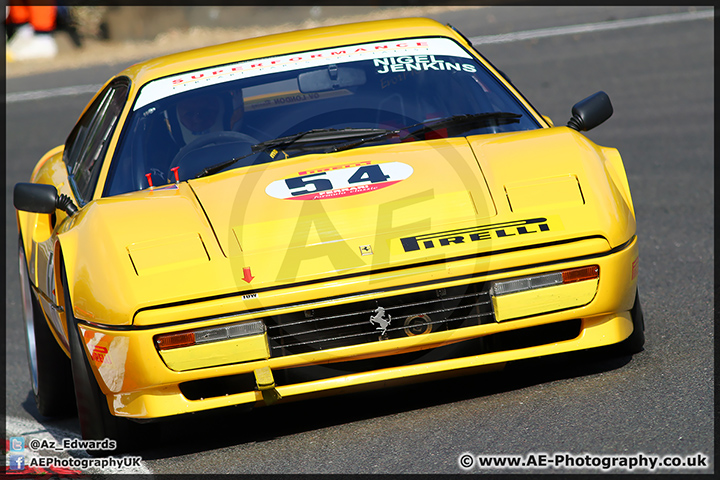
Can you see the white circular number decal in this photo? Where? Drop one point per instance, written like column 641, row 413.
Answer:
column 339, row 181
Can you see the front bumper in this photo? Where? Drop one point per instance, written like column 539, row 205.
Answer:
column 139, row 384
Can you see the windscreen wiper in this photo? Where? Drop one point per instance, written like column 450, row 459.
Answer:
column 317, row 137
column 469, row 120
column 310, row 138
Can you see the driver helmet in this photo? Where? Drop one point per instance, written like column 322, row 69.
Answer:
column 200, row 115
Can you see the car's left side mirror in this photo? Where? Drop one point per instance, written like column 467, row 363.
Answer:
column 41, row 198
column 590, row 112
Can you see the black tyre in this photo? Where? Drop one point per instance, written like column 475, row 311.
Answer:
column 635, row 342
column 50, row 372
column 96, row 421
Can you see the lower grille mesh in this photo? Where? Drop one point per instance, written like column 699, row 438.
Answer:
column 375, row 320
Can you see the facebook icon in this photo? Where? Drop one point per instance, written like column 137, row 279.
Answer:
column 17, row 462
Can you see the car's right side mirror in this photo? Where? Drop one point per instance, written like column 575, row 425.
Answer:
column 590, row 112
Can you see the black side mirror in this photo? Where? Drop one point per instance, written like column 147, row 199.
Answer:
column 591, row 112
column 40, row 198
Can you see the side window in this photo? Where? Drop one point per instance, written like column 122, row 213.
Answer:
column 88, row 142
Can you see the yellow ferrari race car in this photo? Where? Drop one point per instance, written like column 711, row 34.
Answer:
column 311, row 213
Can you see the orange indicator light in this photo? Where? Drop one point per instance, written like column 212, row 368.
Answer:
column 175, row 340
column 580, row 274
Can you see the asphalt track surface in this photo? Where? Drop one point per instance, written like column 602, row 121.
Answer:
column 659, row 77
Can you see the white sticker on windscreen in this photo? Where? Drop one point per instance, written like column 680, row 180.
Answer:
column 339, row 181
column 414, row 63
column 417, row 49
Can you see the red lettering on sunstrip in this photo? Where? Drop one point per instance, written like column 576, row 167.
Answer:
column 238, row 68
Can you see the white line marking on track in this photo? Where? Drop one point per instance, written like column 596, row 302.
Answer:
column 31, row 429
column 591, row 27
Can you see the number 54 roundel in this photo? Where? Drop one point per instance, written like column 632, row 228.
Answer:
column 339, row 182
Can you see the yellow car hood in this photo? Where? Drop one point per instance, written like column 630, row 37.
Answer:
column 372, row 196
column 407, row 195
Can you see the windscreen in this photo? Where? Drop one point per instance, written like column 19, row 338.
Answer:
column 183, row 125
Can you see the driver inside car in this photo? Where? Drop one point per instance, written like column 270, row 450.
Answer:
column 199, row 116
column 207, row 129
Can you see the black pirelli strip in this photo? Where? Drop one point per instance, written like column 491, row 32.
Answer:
column 482, row 232
column 367, row 292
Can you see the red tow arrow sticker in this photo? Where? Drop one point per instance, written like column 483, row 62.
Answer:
column 247, row 276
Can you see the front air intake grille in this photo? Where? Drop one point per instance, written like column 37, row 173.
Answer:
column 380, row 319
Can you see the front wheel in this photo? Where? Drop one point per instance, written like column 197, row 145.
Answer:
column 50, row 372
column 96, row 421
